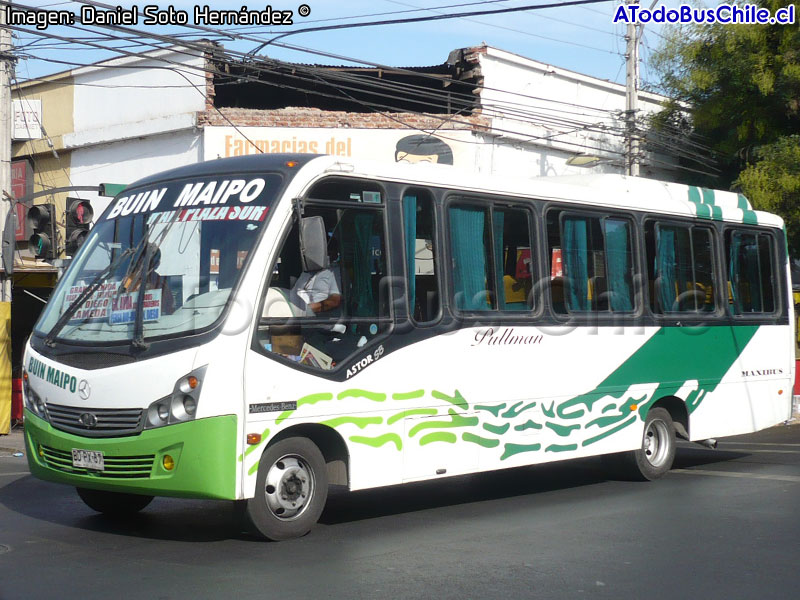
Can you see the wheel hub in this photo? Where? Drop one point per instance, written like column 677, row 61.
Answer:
column 289, row 487
column 655, row 444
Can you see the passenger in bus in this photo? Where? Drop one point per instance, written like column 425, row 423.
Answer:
column 316, row 292
column 319, row 292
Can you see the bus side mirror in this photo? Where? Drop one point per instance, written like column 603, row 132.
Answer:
column 313, row 244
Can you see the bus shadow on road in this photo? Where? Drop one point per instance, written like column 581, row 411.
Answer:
column 169, row 519
column 205, row 521
column 344, row 506
column 690, row 455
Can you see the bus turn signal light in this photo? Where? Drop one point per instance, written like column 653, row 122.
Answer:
column 253, row 438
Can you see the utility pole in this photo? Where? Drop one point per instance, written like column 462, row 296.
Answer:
column 6, row 64
column 631, row 97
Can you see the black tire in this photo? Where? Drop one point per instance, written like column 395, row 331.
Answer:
column 291, row 490
column 654, row 458
column 115, row 504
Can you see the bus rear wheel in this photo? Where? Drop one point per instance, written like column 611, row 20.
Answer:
column 654, row 459
column 117, row 504
column 291, row 489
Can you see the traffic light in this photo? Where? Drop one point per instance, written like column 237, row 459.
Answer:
column 79, row 218
column 42, row 222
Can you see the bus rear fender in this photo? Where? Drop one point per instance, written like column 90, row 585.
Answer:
column 329, row 442
column 677, row 411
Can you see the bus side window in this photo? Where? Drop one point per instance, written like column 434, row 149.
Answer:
column 321, row 315
column 751, row 273
column 591, row 263
column 513, row 259
column 421, row 253
column 680, row 268
column 470, row 247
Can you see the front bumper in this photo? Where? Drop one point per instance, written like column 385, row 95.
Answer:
column 204, row 452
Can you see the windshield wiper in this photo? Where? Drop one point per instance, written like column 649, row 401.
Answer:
column 90, row 289
column 138, row 342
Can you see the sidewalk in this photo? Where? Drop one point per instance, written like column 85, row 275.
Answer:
column 13, row 442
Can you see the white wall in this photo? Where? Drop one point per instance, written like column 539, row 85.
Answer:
column 138, row 90
column 130, row 160
column 556, row 105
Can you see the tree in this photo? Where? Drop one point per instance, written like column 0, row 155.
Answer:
column 742, row 86
column 772, row 183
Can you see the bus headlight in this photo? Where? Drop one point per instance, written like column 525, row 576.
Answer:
column 33, row 401
column 181, row 405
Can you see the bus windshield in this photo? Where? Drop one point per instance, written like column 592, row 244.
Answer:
column 162, row 261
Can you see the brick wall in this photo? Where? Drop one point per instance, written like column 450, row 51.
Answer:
column 315, row 117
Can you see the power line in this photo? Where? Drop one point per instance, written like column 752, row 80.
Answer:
column 538, row 16
column 200, row 48
column 429, row 18
column 521, row 32
column 261, row 68
column 171, row 40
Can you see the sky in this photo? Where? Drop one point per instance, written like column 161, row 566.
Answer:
column 579, row 38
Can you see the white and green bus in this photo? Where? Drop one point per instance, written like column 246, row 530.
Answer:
column 470, row 324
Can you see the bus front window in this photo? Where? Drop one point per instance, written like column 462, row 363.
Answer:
column 162, row 262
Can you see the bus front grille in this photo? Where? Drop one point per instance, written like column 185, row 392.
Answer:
column 95, row 422
column 116, row 467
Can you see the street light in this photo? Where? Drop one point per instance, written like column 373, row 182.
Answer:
column 589, row 160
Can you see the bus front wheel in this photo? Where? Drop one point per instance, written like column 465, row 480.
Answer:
column 291, row 489
column 117, row 504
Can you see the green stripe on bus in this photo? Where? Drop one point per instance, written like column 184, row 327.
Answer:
column 749, row 216
column 669, row 358
column 512, row 449
column 496, row 429
column 513, row 412
column 456, row 399
column 562, row 430
column 456, row 420
column 527, row 425
column 359, row 422
column 438, row 436
column 378, row 441
column 408, row 395
column 354, row 393
column 481, row 441
column 411, row 412
column 703, row 211
column 495, row 410
column 561, row 447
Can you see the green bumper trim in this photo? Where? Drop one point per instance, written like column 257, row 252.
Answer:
column 204, row 452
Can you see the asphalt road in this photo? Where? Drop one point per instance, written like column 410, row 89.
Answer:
column 723, row 524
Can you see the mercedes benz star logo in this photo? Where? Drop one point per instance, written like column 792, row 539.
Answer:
column 84, row 389
column 88, row 420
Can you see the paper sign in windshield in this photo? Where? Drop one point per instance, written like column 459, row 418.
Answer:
column 123, row 309
column 97, row 307
column 105, row 305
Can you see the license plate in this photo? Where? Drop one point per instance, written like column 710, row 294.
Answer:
column 88, row 459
